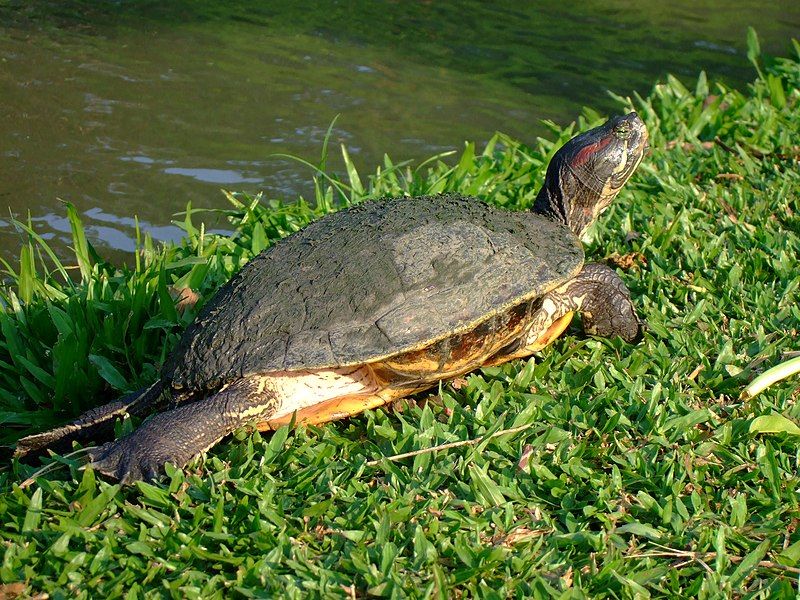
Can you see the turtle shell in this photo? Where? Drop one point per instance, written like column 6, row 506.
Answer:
column 373, row 281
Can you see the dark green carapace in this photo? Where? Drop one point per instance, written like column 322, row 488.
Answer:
column 372, row 281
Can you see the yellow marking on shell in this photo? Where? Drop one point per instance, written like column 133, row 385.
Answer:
column 307, row 392
column 418, row 362
column 313, row 397
column 537, row 340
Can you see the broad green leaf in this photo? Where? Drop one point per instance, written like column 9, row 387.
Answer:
column 791, row 555
column 774, row 423
column 640, row 529
column 486, row 490
column 33, row 516
column 776, row 93
column 108, row 372
column 88, row 515
column 753, row 48
column 749, row 563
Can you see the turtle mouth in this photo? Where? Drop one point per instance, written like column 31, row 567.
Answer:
column 622, row 173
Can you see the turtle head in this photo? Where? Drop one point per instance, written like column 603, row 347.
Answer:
column 589, row 170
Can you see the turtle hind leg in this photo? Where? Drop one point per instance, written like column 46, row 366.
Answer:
column 177, row 435
column 94, row 423
column 604, row 303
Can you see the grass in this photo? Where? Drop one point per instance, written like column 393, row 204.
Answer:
column 633, row 471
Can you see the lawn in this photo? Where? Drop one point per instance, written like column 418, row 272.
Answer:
column 630, row 471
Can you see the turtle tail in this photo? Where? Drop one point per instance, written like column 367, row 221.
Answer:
column 94, row 424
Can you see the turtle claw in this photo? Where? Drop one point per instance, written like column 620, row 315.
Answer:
column 124, row 461
column 111, row 464
column 175, row 437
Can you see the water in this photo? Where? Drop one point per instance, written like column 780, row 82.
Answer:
column 131, row 109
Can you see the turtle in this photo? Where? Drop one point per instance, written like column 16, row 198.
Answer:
column 376, row 302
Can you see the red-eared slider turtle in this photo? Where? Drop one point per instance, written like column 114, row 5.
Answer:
column 377, row 302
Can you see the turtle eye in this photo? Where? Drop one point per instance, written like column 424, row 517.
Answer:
column 622, row 130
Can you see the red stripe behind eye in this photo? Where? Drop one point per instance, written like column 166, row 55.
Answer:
column 582, row 156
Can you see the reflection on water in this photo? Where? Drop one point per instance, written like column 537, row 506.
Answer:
column 226, row 176
column 137, row 115
column 115, row 231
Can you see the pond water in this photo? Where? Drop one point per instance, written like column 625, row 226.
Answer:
column 132, row 109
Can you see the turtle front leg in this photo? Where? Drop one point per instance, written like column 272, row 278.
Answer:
column 601, row 297
column 597, row 293
column 604, row 302
column 178, row 435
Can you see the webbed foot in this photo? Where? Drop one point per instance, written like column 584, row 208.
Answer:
column 178, row 435
column 607, row 309
column 172, row 437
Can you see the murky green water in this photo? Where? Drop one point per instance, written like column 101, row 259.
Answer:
column 138, row 108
